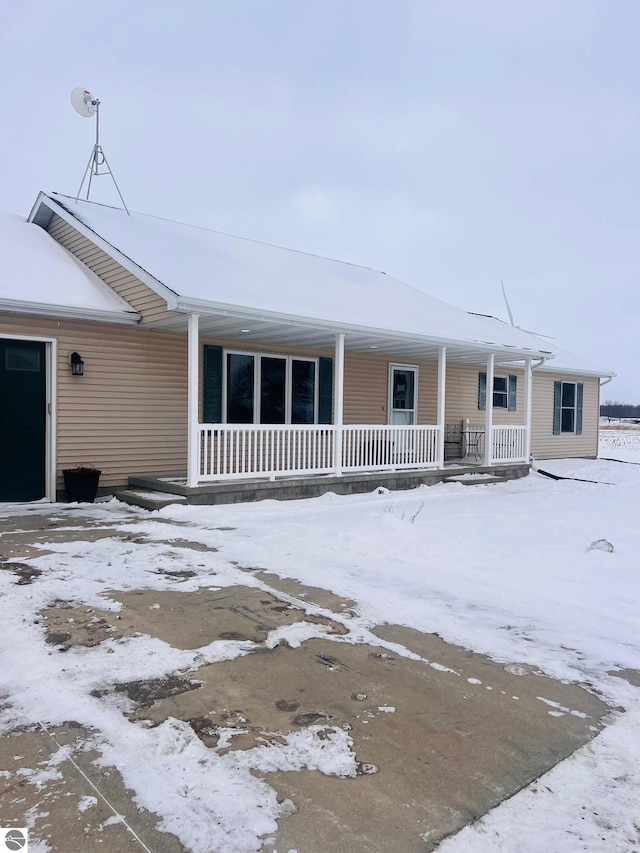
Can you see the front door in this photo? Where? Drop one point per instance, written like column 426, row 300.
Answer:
column 402, row 408
column 23, row 424
column 402, row 394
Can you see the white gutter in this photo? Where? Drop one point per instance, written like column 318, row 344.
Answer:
column 96, row 314
column 539, row 364
column 203, row 307
column 574, row 371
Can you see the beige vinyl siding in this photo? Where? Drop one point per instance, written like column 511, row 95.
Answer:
column 366, row 380
column 141, row 298
column 366, row 388
column 128, row 414
column 461, row 400
column 546, row 445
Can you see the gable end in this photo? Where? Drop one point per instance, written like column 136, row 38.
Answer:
column 149, row 305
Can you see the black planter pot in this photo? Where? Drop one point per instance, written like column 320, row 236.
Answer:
column 81, row 484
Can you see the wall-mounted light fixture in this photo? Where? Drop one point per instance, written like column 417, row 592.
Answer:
column 77, row 364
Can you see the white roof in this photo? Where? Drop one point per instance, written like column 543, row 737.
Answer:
column 563, row 360
column 208, row 270
column 40, row 276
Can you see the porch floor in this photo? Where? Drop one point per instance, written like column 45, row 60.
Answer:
column 153, row 492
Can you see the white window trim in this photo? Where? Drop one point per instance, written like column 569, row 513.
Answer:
column 51, row 359
column 573, row 408
column 506, row 393
column 288, row 384
column 393, row 366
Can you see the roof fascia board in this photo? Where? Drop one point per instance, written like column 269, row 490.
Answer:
column 41, row 309
column 576, row 371
column 40, row 214
column 205, row 307
column 158, row 288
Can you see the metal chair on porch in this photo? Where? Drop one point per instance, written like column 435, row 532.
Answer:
column 453, row 441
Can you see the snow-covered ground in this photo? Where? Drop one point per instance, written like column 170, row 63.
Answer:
column 505, row 570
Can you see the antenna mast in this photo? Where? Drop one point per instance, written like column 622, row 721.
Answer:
column 86, row 105
column 504, row 293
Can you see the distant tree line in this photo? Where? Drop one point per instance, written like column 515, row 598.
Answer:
column 615, row 409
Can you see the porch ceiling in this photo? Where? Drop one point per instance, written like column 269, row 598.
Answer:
column 246, row 330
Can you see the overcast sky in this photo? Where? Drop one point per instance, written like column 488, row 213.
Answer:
column 450, row 143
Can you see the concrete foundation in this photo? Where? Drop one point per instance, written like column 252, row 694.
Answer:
column 154, row 492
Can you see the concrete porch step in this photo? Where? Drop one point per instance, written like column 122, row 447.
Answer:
column 149, row 499
column 476, row 479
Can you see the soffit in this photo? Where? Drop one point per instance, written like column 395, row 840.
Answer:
column 245, row 331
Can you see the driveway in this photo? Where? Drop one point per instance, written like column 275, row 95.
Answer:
column 160, row 697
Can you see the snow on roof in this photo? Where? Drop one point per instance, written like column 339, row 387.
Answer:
column 204, row 266
column 39, row 275
column 563, row 360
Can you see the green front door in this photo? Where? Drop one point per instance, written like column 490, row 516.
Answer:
column 23, row 407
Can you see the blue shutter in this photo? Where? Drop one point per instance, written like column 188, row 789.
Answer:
column 513, row 383
column 579, row 398
column 482, row 390
column 212, row 385
column 325, row 390
column 557, row 407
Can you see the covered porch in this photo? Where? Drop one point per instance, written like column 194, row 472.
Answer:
column 221, row 451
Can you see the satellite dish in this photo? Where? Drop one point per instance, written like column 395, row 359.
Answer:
column 83, row 102
column 87, row 106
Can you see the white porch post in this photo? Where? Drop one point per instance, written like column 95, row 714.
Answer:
column 442, row 381
column 488, row 438
column 193, row 435
column 528, row 386
column 338, row 410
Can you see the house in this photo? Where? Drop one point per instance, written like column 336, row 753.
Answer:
column 208, row 358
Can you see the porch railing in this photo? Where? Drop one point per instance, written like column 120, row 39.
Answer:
column 509, row 443
column 232, row 451
column 379, row 448
column 236, row 451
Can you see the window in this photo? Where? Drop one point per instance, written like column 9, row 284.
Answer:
column 240, row 385
column 251, row 388
column 504, row 392
column 270, row 389
column 568, row 404
column 500, row 392
column 23, row 357
column 273, row 390
column 403, row 388
column 303, row 388
column 567, row 407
